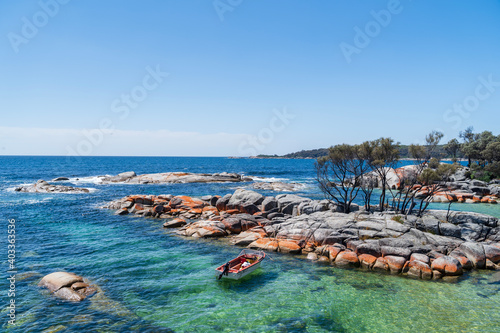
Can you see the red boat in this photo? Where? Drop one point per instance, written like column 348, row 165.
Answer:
column 246, row 262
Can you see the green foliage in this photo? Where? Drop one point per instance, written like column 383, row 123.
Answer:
column 494, row 169
column 428, row 177
column 398, row 218
column 452, row 148
column 434, row 163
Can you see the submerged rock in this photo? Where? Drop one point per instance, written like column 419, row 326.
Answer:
column 67, row 286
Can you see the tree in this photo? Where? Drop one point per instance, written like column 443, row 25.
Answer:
column 383, row 159
column 411, row 178
column 468, row 137
column 434, row 181
column 339, row 174
column 452, row 148
column 432, row 140
column 369, row 180
column 492, row 152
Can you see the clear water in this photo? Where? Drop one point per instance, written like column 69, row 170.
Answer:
column 153, row 281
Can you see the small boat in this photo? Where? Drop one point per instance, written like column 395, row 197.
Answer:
column 246, row 262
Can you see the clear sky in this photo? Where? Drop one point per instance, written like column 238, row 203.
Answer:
column 238, row 77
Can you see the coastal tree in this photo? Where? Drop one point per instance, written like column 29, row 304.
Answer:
column 368, row 180
column 431, row 142
column 383, row 159
column 452, row 148
column 411, row 177
column 468, row 138
column 434, row 181
column 339, row 174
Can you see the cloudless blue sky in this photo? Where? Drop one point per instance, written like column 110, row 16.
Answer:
column 228, row 77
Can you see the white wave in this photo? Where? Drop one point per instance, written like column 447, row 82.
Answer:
column 267, row 179
column 91, row 179
column 13, row 188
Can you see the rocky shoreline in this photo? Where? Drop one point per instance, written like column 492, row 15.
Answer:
column 428, row 247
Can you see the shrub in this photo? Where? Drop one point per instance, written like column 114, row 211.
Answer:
column 434, row 163
column 398, row 218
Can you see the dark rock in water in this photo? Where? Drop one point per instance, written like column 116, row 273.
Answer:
column 67, row 286
column 58, row 179
column 176, row 223
column 122, row 211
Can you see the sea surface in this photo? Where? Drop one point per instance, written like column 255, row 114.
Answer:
column 154, row 281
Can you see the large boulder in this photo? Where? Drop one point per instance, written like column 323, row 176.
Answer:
column 395, row 263
column 242, row 197
column 367, row 260
column 447, row 265
column 492, row 253
column 269, row 203
column 347, row 258
column 240, row 222
column 288, row 203
column 475, row 253
column 221, row 203
column 265, row 244
column 419, row 270
column 460, row 256
column 67, row 286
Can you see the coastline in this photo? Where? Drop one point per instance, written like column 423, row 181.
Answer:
column 425, row 248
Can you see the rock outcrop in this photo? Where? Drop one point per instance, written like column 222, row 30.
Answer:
column 428, row 247
column 277, row 186
column 67, row 286
column 173, row 177
column 42, row 186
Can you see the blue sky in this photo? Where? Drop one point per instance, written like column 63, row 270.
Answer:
column 244, row 77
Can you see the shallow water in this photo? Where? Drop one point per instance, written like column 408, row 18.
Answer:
column 153, row 281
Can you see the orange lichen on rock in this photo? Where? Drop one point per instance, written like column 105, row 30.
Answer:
column 367, row 260
column 287, row 246
column 347, row 258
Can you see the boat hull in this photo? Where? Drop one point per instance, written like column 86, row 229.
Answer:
column 238, row 275
column 235, row 270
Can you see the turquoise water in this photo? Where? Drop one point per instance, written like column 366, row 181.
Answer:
column 153, row 281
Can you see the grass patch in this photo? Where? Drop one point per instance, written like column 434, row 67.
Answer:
column 398, row 218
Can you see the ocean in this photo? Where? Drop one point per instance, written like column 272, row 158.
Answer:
column 154, row 281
